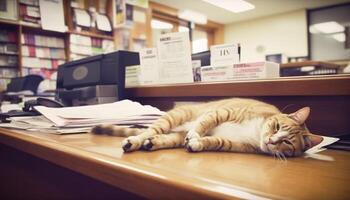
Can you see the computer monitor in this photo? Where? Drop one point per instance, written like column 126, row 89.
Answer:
column 204, row 57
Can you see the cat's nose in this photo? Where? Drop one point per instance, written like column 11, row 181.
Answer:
column 271, row 141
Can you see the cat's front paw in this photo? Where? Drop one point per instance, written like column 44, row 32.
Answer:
column 194, row 145
column 131, row 143
column 191, row 135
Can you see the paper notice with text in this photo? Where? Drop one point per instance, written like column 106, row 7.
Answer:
column 52, row 15
column 174, row 56
column 149, row 70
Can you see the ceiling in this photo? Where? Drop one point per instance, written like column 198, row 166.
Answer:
column 262, row 8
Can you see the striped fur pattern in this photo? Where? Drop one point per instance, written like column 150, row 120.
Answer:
column 233, row 125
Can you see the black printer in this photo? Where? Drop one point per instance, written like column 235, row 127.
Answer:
column 96, row 79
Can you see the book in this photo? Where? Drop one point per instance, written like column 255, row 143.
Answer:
column 42, row 41
column 8, row 73
column 8, row 48
column 8, row 61
column 83, row 46
column 8, row 36
column 8, row 9
column 29, row 13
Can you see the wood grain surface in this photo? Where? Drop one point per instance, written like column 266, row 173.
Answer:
column 177, row 174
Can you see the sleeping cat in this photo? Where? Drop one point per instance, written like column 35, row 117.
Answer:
column 237, row 125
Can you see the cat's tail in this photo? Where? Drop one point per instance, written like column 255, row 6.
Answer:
column 113, row 130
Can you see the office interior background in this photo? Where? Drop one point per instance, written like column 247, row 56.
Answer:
column 74, row 52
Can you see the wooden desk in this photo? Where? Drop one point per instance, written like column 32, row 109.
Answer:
column 177, row 174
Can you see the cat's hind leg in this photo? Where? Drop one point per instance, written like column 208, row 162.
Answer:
column 164, row 141
column 163, row 125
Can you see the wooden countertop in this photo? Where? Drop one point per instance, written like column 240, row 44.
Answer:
column 177, row 174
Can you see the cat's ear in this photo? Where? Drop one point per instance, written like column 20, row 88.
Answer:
column 301, row 115
column 311, row 140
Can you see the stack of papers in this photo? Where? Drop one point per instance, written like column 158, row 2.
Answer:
column 83, row 118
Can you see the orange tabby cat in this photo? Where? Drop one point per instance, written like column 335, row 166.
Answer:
column 237, row 125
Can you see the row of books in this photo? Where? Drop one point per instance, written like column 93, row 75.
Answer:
column 83, row 46
column 34, row 62
column 91, row 41
column 8, row 36
column 8, row 48
column 8, row 73
column 29, row 11
column 8, row 61
column 30, row 2
column 43, row 41
column 43, row 52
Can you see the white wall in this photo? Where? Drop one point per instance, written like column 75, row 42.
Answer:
column 284, row 33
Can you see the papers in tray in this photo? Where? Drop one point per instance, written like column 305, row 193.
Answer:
column 123, row 112
column 81, row 119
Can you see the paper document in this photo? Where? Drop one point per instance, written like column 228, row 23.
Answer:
column 174, row 55
column 52, row 15
column 103, row 23
column 82, row 18
column 320, row 147
column 121, row 112
column 149, row 70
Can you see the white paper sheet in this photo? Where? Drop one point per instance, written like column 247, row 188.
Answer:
column 124, row 111
column 103, row 23
column 174, row 55
column 82, row 18
column 320, row 147
column 52, row 15
column 149, row 70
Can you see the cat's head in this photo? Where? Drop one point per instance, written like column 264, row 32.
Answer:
column 288, row 134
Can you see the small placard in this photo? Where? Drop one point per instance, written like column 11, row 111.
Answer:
column 223, row 55
column 149, row 71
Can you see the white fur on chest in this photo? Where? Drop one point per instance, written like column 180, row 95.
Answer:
column 247, row 132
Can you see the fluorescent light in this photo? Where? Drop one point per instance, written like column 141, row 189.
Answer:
column 339, row 37
column 156, row 24
column 235, row 6
column 313, row 30
column 190, row 15
column 329, row 27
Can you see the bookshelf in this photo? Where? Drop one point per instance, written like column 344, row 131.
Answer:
column 9, row 52
column 33, row 50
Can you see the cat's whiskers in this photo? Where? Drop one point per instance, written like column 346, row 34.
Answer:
column 281, row 156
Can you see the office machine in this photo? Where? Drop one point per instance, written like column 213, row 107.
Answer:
column 94, row 80
column 203, row 56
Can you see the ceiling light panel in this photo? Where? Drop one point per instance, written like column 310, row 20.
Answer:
column 235, row 6
column 328, row 27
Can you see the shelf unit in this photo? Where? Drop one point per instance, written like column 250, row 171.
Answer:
column 21, row 27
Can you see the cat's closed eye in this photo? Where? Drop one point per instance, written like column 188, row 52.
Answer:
column 287, row 142
column 277, row 127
